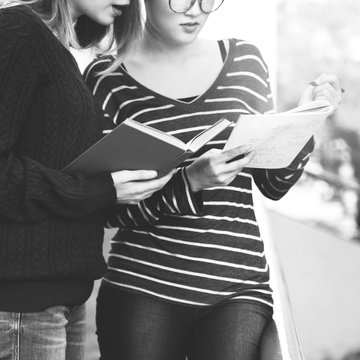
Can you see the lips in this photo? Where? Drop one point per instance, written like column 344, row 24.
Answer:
column 190, row 27
column 117, row 9
column 190, row 24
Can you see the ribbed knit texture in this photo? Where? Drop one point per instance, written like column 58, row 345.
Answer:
column 197, row 260
column 51, row 226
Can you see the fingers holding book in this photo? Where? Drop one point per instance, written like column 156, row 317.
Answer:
column 136, row 185
column 217, row 167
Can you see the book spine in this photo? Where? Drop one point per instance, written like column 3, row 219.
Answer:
column 174, row 163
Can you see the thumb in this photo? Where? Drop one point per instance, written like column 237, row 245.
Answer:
column 133, row 175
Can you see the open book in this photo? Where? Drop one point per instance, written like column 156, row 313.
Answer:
column 135, row 146
column 276, row 139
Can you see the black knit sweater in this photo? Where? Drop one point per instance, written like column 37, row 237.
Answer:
column 51, row 226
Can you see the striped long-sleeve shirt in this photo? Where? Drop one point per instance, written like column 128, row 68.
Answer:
column 193, row 259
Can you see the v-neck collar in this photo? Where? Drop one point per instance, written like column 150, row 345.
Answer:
column 177, row 102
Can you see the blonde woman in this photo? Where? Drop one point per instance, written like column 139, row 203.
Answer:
column 51, row 223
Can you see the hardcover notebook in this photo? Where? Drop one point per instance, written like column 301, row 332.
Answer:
column 276, row 139
column 135, row 146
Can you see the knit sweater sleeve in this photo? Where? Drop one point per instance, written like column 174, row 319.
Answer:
column 275, row 183
column 29, row 191
column 175, row 198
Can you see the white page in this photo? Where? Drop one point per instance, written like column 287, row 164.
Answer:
column 205, row 136
column 276, row 139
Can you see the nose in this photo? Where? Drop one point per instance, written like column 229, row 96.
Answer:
column 195, row 9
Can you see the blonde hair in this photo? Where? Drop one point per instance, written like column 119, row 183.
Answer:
column 55, row 14
column 120, row 36
column 86, row 32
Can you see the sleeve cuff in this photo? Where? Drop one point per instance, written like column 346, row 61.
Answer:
column 303, row 157
column 101, row 192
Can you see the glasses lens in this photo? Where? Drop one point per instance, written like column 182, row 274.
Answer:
column 209, row 6
column 180, row 6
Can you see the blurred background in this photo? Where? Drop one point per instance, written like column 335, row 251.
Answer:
column 314, row 231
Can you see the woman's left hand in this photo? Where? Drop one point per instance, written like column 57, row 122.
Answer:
column 324, row 87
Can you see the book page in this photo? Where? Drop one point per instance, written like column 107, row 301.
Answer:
column 311, row 106
column 276, row 139
column 205, row 136
column 155, row 133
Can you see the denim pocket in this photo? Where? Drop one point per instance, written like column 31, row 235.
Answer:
column 7, row 321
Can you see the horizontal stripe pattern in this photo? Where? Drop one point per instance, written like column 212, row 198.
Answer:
column 150, row 210
column 193, row 258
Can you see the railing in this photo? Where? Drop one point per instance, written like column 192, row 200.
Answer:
column 348, row 194
column 281, row 340
column 289, row 340
column 331, row 178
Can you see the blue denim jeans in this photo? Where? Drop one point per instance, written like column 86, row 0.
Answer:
column 135, row 327
column 57, row 333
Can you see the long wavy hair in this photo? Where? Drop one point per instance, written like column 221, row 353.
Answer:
column 86, row 33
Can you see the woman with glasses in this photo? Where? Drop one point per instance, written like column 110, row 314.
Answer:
column 191, row 286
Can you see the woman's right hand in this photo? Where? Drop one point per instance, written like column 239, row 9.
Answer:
column 324, row 87
column 217, row 167
column 133, row 186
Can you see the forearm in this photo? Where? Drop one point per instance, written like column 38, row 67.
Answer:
column 29, row 191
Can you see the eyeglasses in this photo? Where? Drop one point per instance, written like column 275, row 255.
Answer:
column 206, row 6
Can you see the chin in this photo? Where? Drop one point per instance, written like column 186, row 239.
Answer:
column 105, row 21
column 188, row 39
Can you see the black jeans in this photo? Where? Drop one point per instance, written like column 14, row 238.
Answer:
column 136, row 327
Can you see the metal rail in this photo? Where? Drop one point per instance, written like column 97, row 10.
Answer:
column 281, row 340
column 331, row 179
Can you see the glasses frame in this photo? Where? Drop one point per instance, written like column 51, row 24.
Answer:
column 192, row 3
